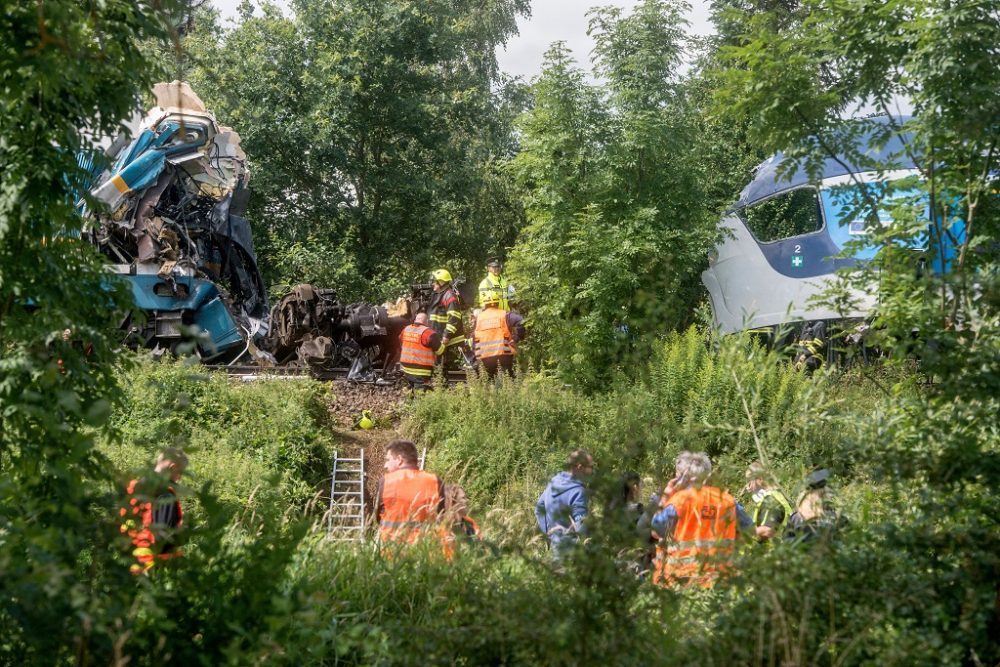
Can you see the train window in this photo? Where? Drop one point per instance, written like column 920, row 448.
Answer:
column 789, row 214
column 177, row 290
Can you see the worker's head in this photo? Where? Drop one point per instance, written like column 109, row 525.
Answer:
column 172, row 461
column 631, row 487
column 456, row 502
column 492, row 301
column 421, row 318
column 758, row 477
column 579, row 463
column 440, row 279
column 692, row 468
column 400, row 454
column 494, row 266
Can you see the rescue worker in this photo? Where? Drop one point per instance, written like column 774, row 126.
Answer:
column 815, row 517
column 496, row 336
column 418, row 351
column 771, row 508
column 811, row 349
column 457, row 526
column 408, row 501
column 562, row 508
column 494, row 286
column 152, row 513
column 698, row 523
column 628, row 519
column 446, row 314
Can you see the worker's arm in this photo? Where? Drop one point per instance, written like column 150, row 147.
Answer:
column 431, row 339
column 743, row 520
column 442, row 501
column 516, row 325
column 665, row 521
column 578, row 510
column 379, row 502
column 454, row 306
column 485, row 292
column 540, row 514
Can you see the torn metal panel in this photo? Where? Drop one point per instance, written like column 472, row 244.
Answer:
column 173, row 203
column 311, row 327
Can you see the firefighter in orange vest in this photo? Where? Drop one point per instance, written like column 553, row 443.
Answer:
column 409, row 501
column 496, row 336
column 152, row 514
column 699, row 525
column 418, row 346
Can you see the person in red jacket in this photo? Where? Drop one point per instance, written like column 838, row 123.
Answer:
column 418, row 351
column 152, row 513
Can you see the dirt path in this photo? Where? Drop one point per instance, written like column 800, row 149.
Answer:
column 385, row 405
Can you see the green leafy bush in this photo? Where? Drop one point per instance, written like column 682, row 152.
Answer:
column 504, row 442
column 266, row 444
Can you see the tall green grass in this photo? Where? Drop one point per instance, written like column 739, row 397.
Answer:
column 265, row 445
column 697, row 392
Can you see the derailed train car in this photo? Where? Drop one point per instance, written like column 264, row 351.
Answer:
column 789, row 233
column 173, row 227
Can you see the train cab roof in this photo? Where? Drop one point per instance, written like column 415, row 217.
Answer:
column 879, row 145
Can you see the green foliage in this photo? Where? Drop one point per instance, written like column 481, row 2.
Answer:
column 373, row 129
column 71, row 70
column 937, row 448
column 791, row 214
column 483, row 609
column 617, row 226
column 504, row 442
column 266, row 446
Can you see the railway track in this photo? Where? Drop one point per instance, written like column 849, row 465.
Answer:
column 251, row 373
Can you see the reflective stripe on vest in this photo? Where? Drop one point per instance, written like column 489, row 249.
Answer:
column 492, row 337
column 758, row 520
column 704, row 536
column 414, row 357
column 411, row 501
column 138, row 521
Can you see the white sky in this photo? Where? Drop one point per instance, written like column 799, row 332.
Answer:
column 551, row 21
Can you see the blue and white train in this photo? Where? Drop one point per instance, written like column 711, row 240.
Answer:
column 788, row 234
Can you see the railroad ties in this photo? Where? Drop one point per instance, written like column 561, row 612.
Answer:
column 253, row 373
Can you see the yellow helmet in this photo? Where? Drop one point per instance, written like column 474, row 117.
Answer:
column 442, row 276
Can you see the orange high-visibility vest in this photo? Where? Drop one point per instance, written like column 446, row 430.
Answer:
column 703, row 539
column 411, row 499
column 492, row 336
column 448, row 535
column 138, row 520
column 415, row 358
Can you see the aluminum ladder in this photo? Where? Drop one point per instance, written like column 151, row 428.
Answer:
column 345, row 521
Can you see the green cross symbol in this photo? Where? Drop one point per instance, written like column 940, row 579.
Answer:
column 797, row 260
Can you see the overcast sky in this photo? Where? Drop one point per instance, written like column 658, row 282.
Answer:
column 551, row 21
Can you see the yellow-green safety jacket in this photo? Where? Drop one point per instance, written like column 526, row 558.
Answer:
column 495, row 288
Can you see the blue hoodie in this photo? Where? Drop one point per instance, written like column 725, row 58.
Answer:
column 561, row 508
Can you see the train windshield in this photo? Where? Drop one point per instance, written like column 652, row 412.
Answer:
column 788, row 214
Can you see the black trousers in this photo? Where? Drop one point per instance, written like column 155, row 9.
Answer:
column 493, row 365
